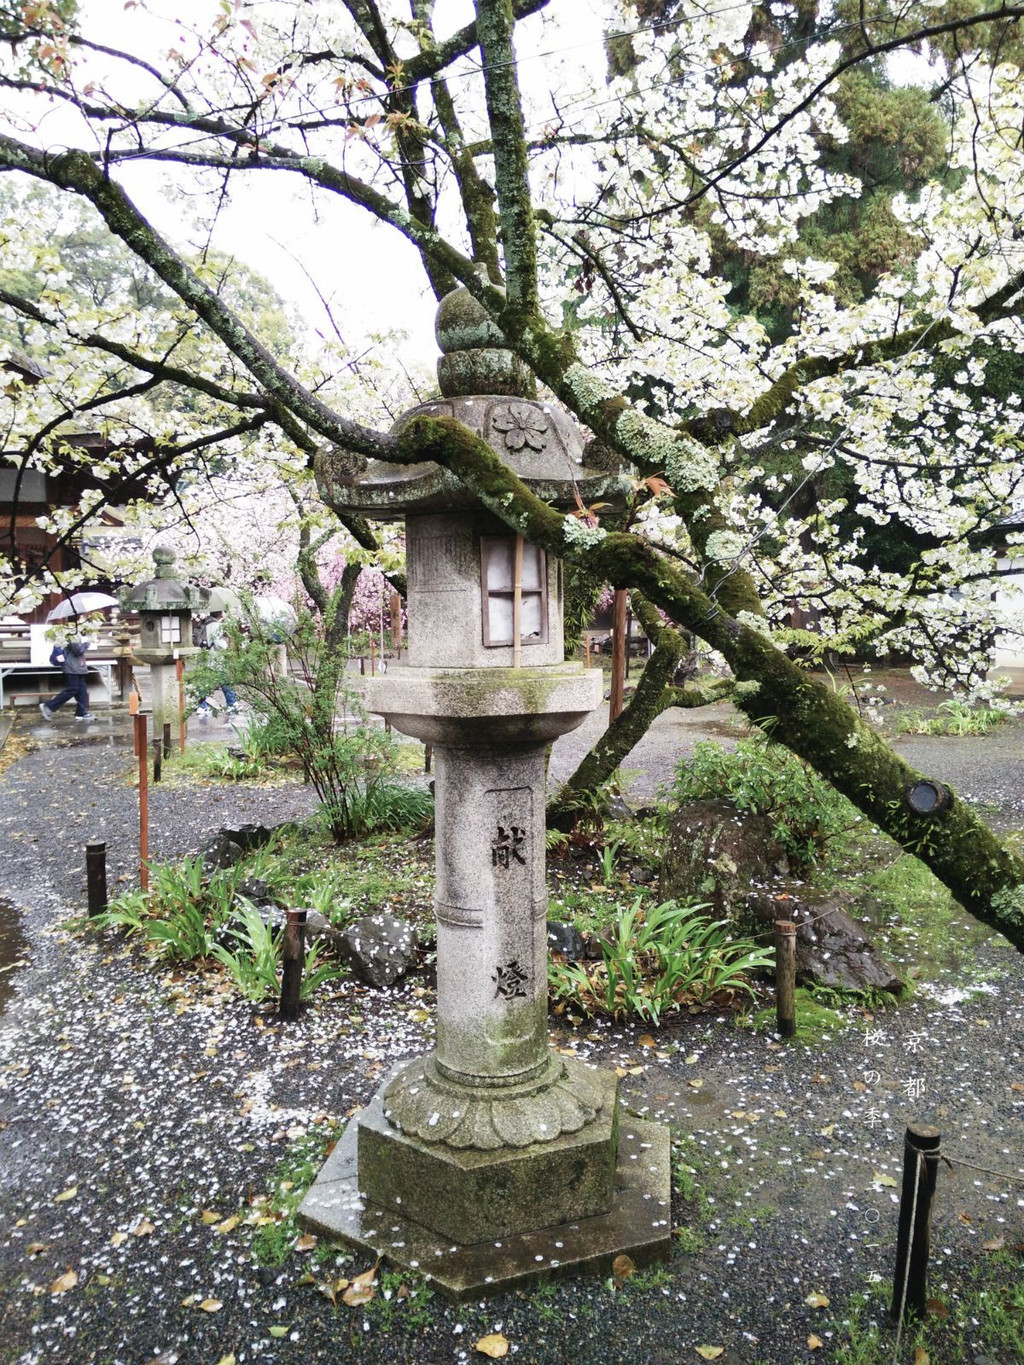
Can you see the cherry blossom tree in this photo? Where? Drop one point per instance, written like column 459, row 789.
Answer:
column 578, row 211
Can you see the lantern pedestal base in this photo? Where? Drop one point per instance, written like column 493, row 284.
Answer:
column 637, row 1222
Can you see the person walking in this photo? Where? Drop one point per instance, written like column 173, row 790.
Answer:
column 75, row 671
column 211, row 634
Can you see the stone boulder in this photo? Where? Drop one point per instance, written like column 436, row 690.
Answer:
column 565, row 939
column 716, row 853
column 220, row 851
column 831, row 947
column 248, row 836
column 378, row 948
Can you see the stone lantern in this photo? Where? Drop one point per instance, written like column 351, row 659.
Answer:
column 165, row 608
column 492, row 1158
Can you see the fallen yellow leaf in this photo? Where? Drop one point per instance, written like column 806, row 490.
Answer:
column 229, row 1224
column 306, row 1242
column 645, row 1040
column 816, row 1300
column 117, row 1238
column 710, row 1352
column 227, row 1360
column 143, row 1228
column 65, row 1195
column 211, row 1305
column 880, row 1179
column 356, row 1295
column 210, row 1216
column 65, row 1282
column 622, row 1268
column 993, row 1244
column 814, row 1342
column 495, row 1345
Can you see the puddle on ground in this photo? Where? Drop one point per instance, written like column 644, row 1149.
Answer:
column 13, row 950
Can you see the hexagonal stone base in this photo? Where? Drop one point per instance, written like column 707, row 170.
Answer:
column 638, row 1222
column 467, row 1195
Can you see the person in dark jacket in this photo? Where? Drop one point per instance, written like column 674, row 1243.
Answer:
column 75, row 670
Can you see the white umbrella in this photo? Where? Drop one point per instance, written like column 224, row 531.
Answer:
column 80, row 604
column 224, row 599
column 275, row 611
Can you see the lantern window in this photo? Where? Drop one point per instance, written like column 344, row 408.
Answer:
column 514, row 578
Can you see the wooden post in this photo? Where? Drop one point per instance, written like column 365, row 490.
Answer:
column 517, row 603
column 428, row 754
column 618, row 653
column 920, row 1167
column 396, row 624
column 167, row 739
column 96, row 875
column 785, row 977
column 293, row 953
column 629, row 638
column 373, row 659
column 158, row 758
column 586, row 645
column 143, row 757
column 180, row 670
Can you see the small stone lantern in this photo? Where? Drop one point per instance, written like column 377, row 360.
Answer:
column 165, row 608
column 492, row 1140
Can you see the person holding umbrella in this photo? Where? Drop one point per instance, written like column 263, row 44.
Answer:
column 72, row 660
column 71, row 656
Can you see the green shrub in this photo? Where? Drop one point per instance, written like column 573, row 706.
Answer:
column 764, row 778
column 254, row 965
column 658, row 960
column 307, row 714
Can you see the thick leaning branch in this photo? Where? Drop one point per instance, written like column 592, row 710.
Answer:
column 654, row 694
column 791, row 706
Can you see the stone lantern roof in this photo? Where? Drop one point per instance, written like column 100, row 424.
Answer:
column 488, row 389
column 163, row 592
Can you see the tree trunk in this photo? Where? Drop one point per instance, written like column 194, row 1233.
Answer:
column 654, row 694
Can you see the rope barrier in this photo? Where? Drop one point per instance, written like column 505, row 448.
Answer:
column 986, row 1170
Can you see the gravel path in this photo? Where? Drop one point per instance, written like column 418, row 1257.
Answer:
column 130, row 1103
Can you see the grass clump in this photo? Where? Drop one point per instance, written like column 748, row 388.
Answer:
column 954, row 717
column 659, row 960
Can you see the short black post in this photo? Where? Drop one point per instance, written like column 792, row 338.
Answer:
column 428, row 754
column 293, row 953
column 920, row 1167
column 96, row 875
column 785, row 977
column 167, row 739
column 158, row 758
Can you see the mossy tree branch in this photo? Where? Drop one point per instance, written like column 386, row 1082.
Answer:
column 794, row 708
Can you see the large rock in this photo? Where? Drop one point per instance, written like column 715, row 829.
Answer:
column 220, row 852
column 565, row 939
column 831, row 947
column 378, row 948
column 716, row 853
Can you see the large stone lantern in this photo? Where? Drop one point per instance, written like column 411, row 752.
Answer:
column 493, row 1157
column 165, row 608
